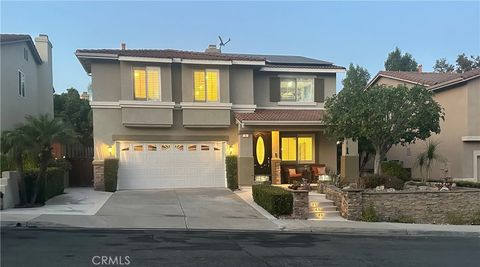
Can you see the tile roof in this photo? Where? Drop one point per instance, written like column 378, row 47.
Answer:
column 170, row 53
column 431, row 80
column 425, row 78
column 281, row 115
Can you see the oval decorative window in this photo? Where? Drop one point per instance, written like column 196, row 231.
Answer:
column 260, row 150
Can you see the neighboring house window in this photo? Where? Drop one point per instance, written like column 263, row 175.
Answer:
column 297, row 89
column 146, row 83
column 25, row 54
column 298, row 148
column 206, row 84
column 21, row 83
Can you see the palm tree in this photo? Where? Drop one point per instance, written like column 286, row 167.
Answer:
column 43, row 131
column 427, row 157
column 15, row 145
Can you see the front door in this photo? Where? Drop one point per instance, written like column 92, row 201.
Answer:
column 262, row 153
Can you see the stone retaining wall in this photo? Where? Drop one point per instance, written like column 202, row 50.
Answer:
column 420, row 206
column 300, row 204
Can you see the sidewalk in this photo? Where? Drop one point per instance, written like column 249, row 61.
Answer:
column 361, row 228
column 62, row 217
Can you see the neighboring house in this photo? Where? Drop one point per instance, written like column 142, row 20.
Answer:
column 172, row 116
column 26, row 78
column 459, row 139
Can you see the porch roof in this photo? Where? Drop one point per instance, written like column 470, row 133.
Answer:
column 282, row 117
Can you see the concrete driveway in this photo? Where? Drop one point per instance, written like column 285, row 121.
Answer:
column 183, row 208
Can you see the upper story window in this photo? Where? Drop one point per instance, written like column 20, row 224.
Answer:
column 25, row 54
column 206, row 84
column 21, row 83
column 297, row 89
column 146, row 83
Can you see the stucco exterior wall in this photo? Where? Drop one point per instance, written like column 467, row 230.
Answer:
column 38, row 97
column 461, row 105
column 241, row 85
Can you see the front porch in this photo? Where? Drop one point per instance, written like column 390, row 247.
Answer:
column 285, row 147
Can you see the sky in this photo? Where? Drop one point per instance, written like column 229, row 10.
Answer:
column 341, row 32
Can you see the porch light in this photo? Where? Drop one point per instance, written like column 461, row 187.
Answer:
column 230, row 149
column 110, row 150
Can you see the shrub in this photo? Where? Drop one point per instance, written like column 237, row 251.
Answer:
column 467, row 184
column 53, row 184
column 476, row 218
column 273, row 199
column 455, row 219
column 394, row 168
column 62, row 164
column 232, row 172
column 110, row 174
column 369, row 214
column 376, row 180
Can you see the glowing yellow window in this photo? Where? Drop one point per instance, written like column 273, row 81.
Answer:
column 289, row 148
column 146, row 83
column 205, row 85
column 305, row 149
column 153, row 83
column 140, row 84
column 212, row 86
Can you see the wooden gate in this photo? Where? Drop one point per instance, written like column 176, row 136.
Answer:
column 81, row 157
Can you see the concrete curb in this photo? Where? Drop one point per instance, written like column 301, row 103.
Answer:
column 305, row 230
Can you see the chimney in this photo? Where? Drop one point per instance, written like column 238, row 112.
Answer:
column 420, row 68
column 45, row 74
column 212, row 49
column 123, row 45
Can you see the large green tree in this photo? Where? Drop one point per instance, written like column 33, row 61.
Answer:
column 442, row 66
column 463, row 64
column 357, row 78
column 396, row 61
column 76, row 113
column 384, row 116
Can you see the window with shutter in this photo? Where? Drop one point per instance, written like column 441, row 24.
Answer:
column 296, row 89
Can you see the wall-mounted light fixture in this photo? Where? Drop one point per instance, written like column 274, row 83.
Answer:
column 230, row 149
column 245, row 135
column 110, row 149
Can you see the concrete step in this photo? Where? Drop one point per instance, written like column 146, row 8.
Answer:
column 325, row 215
column 319, row 209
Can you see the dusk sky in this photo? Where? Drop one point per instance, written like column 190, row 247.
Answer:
column 342, row 32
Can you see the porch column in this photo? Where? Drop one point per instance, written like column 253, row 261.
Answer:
column 245, row 159
column 275, row 161
column 349, row 165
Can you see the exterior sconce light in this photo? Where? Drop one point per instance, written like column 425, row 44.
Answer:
column 110, row 150
column 244, row 135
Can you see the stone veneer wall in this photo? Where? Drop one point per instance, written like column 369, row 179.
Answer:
column 421, row 206
column 300, row 204
column 98, row 175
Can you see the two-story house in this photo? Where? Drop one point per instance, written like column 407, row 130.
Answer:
column 172, row 117
column 459, row 139
column 26, row 78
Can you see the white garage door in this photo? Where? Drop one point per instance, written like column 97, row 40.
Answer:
column 171, row 165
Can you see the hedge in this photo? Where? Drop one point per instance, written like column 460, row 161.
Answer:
column 394, row 168
column 273, row 199
column 53, row 185
column 232, row 172
column 467, row 184
column 110, row 174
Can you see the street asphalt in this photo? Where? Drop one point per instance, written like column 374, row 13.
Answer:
column 109, row 247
